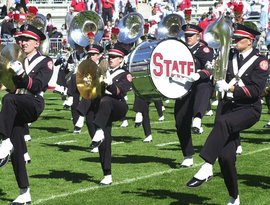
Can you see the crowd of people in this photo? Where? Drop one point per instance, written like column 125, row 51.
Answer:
column 242, row 86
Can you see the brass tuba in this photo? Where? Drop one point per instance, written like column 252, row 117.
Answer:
column 218, row 36
column 7, row 54
column 170, row 27
column 40, row 22
column 83, row 23
column 131, row 28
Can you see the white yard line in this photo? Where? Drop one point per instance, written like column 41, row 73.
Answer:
column 168, row 143
column 65, row 142
column 127, row 181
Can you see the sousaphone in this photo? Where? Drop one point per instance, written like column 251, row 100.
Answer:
column 40, row 22
column 83, row 23
column 170, row 27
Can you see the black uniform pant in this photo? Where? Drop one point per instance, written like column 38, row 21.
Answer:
column 83, row 107
column 73, row 91
column 16, row 112
column 142, row 106
column 61, row 78
column 221, row 142
column 109, row 110
column 183, row 111
column 203, row 93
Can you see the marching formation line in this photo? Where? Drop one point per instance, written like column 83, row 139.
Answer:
column 127, row 181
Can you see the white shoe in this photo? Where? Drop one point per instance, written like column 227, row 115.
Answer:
column 124, row 123
column 138, row 117
column 205, row 172
column 196, row 126
column 161, row 118
column 68, row 102
column 6, row 148
column 29, row 124
column 215, row 103
column 239, row 150
column 233, row 201
column 163, row 108
column 97, row 139
column 107, row 180
column 167, row 101
column 27, row 158
column 209, row 113
column 126, row 98
column 24, row 197
column 187, row 162
column 80, row 122
column 59, row 89
column 27, row 138
column 149, row 138
column 95, row 150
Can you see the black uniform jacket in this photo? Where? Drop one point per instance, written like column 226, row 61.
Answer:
column 122, row 81
column 37, row 75
column 254, row 78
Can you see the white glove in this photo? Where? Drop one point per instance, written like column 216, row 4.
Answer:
column 17, row 67
column 108, row 80
column 193, row 77
column 222, row 86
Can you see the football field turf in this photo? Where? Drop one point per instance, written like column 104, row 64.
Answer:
column 63, row 171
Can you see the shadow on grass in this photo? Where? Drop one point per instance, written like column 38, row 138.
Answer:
column 50, row 117
column 135, row 159
column 181, row 198
column 255, row 180
column 176, row 147
column 126, row 139
column 165, row 131
column 67, row 148
column 52, row 129
column 2, row 196
column 255, row 140
column 73, row 177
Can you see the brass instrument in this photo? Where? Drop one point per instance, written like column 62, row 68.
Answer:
column 170, row 27
column 40, row 22
column 83, row 23
column 218, row 36
column 89, row 79
column 131, row 28
column 7, row 54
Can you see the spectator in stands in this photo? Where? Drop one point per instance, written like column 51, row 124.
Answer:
column 217, row 9
column 78, row 5
column 264, row 14
column 3, row 11
column 49, row 24
column 6, row 28
column 107, row 31
column 107, row 10
column 9, row 4
column 55, row 33
column 128, row 8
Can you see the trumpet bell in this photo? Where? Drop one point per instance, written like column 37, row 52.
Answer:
column 87, row 79
column 83, row 23
column 9, row 53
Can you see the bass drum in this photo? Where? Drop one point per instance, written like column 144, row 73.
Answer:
column 161, row 69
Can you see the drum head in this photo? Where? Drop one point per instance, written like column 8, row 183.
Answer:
column 170, row 65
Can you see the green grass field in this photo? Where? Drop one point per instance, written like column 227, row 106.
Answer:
column 63, row 171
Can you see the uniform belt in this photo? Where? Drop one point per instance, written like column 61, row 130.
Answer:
column 23, row 91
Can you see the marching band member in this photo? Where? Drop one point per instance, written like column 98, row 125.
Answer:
column 24, row 106
column 196, row 102
column 73, row 93
column 94, row 53
column 111, row 107
column 245, row 80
